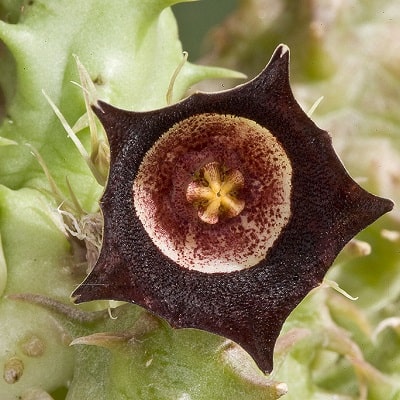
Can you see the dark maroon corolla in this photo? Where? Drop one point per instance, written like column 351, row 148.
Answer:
column 223, row 211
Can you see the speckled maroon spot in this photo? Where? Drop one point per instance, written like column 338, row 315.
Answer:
column 173, row 224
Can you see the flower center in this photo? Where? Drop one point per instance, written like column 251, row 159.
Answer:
column 214, row 192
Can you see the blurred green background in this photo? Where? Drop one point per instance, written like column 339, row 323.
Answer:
column 196, row 18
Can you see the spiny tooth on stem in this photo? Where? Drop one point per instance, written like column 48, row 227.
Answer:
column 12, row 370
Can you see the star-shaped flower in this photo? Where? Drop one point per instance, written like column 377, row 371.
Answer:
column 223, row 211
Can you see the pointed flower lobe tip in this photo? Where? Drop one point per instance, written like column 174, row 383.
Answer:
column 283, row 48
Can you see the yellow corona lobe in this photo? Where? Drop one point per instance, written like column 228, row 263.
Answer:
column 214, row 192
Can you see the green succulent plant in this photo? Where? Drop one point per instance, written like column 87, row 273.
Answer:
column 330, row 345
